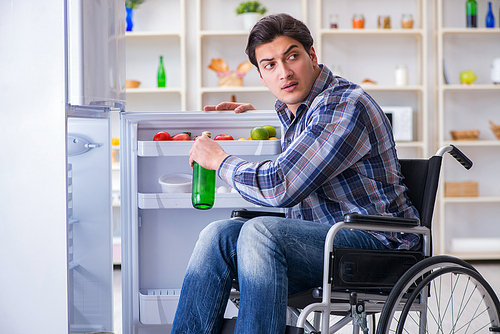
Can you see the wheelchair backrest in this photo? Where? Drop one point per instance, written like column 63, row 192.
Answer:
column 421, row 177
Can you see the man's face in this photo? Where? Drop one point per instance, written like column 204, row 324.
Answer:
column 287, row 70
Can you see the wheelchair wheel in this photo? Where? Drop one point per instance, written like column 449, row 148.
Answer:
column 441, row 295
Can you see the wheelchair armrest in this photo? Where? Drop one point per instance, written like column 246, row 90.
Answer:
column 380, row 220
column 245, row 214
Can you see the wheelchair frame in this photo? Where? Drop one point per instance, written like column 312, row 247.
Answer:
column 414, row 283
column 407, row 303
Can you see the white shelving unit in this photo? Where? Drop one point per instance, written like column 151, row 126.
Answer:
column 468, row 225
column 225, row 38
column 154, row 37
column 362, row 54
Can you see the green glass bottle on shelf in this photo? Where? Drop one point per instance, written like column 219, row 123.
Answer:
column 203, row 195
column 162, row 78
column 471, row 10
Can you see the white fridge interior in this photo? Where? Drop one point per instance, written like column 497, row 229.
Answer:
column 159, row 230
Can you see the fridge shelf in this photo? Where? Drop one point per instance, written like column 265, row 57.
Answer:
column 183, row 201
column 157, row 306
column 233, row 147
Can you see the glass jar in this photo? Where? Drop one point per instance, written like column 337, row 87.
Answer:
column 334, row 21
column 401, row 75
column 358, row 21
column 384, row 22
column 407, row 21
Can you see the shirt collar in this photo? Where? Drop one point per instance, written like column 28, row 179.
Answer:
column 324, row 79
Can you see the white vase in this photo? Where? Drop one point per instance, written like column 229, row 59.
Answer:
column 249, row 19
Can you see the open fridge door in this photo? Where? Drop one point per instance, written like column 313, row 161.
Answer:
column 95, row 86
column 90, row 269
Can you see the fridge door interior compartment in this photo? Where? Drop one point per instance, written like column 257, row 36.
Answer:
column 226, row 122
column 90, row 270
column 183, row 201
column 157, row 306
column 233, row 147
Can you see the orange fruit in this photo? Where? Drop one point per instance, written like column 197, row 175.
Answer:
column 273, row 138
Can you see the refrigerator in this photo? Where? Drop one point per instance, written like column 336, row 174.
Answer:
column 62, row 74
column 160, row 229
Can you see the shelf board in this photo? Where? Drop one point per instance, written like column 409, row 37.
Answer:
column 375, row 87
column 153, row 90
column 470, row 87
column 153, row 34
column 471, row 143
column 234, row 89
column 479, row 31
column 366, row 32
column 475, row 255
column 208, row 33
column 416, row 144
column 234, row 147
column 183, row 201
column 479, row 199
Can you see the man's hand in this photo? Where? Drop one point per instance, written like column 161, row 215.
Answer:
column 207, row 153
column 237, row 107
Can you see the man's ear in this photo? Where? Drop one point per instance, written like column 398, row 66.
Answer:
column 314, row 57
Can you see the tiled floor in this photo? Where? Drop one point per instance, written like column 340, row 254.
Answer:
column 489, row 269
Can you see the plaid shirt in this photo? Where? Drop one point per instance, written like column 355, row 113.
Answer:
column 338, row 157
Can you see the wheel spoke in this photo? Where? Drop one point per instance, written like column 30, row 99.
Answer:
column 450, row 299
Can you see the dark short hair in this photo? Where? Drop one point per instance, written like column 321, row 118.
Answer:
column 273, row 26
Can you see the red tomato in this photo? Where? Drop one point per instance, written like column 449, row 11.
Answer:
column 162, row 135
column 223, row 137
column 181, row 136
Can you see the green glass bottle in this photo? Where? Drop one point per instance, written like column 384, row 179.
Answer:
column 471, row 11
column 203, row 195
column 162, row 78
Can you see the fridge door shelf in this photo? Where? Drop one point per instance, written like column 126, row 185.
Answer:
column 157, row 306
column 233, row 147
column 183, row 201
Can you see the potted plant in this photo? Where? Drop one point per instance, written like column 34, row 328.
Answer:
column 129, row 6
column 251, row 11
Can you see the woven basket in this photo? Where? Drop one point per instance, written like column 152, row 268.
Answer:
column 465, row 135
column 495, row 129
column 231, row 80
column 132, row 84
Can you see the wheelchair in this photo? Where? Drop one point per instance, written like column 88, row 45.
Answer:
column 395, row 291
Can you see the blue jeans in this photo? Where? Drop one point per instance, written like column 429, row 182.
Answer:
column 270, row 257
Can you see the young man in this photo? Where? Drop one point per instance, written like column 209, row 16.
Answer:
column 338, row 157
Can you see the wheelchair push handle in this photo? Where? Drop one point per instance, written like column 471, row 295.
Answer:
column 457, row 154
